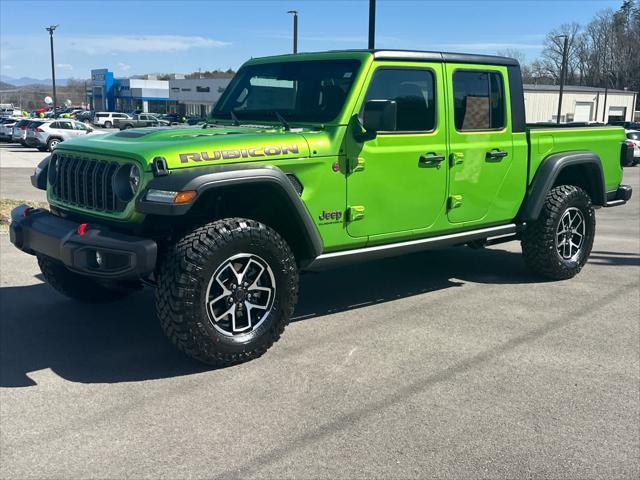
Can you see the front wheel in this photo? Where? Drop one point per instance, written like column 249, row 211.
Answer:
column 108, row 124
column 227, row 290
column 558, row 244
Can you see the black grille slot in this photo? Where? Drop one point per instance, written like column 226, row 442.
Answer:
column 87, row 183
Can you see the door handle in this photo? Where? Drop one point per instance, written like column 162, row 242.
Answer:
column 431, row 159
column 496, row 154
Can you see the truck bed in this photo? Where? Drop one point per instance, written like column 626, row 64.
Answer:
column 606, row 141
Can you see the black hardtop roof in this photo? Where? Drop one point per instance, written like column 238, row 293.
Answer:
column 447, row 57
column 404, row 55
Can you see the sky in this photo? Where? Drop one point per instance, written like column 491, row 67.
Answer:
column 182, row 36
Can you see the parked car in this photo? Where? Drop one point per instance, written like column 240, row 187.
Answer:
column 107, row 119
column 85, row 116
column 173, row 118
column 626, row 125
column 48, row 134
column 29, row 140
column 19, row 131
column 6, row 126
column 633, row 140
column 140, row 120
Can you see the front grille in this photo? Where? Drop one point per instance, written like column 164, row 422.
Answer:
column 86, row 183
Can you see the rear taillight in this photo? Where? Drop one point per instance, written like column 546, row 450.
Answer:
column 38, row 129
column 24, row 127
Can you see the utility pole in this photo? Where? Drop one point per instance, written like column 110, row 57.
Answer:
column 50, row 29
column 372, row 24
column 295, row 29
column 563, row 73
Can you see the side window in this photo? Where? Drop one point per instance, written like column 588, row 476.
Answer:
column 79, row 126
column 65, row 125
column 54, row 125
column 478, row 100
column 414, row 93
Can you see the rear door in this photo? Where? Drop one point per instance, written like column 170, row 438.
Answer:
column 481, row 142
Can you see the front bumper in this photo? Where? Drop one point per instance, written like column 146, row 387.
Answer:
column 94, row 251
column 620, row 196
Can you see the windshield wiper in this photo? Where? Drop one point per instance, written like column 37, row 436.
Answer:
column 281, row 119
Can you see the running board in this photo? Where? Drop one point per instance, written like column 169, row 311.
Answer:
column 334, row 259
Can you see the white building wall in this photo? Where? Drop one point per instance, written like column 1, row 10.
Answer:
column 542, row 106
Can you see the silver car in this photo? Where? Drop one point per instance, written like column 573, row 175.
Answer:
column 6, row 127
column 47, row 134
column 19, row 131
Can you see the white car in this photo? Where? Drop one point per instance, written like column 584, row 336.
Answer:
column 47, row 134
column 633, row 139
column 106, row 119
column 19, row 130
column 6, row 127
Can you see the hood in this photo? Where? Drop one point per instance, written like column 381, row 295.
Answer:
column 188, row 147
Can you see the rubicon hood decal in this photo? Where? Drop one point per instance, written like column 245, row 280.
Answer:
column 271, row 150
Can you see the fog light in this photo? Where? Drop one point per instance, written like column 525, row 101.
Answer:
column 99, row 259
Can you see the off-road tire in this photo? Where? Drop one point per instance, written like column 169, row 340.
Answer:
column 186, row 272
column 539, row 245
column 79, row 287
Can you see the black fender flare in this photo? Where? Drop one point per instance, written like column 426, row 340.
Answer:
column 207, row 178
column 548, row 172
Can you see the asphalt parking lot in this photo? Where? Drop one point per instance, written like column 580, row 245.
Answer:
column 456, row 364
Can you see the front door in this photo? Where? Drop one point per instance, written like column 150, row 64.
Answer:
column 481, row 142
column 398, row 180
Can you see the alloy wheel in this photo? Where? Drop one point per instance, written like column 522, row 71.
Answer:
column 570, row 234
column 240, row 294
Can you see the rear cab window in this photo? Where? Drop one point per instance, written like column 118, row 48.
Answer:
column 479, row 100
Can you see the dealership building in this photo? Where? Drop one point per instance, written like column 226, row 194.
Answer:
column 185, row 96
column 579, row 104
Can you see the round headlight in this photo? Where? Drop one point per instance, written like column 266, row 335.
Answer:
column 126, row 182
column 134, row 179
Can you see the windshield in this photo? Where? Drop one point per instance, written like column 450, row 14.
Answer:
column 304, row 91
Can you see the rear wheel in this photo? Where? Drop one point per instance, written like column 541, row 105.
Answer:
column 559, row 242
column 79, row 287
column 108, row 124
column 52, row 143
column 227, row 290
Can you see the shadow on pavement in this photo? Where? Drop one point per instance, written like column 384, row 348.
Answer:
column 123, row 342
column 614, row 258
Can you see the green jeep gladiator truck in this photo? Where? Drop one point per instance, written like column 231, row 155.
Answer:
column 310, row 161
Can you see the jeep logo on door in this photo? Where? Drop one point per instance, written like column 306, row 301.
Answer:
column 238, row 153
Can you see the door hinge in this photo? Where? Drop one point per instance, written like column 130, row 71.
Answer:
column 356, row 165
column 455, row 201
column 355, row 213
column 456, row 158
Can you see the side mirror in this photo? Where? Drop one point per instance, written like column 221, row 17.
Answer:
column 380, row 116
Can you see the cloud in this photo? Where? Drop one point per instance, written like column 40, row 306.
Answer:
column 64, row 66
column 106, row 44
column 123, row 66
column 6, row 67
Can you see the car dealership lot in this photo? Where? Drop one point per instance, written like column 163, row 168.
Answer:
column 457, row 363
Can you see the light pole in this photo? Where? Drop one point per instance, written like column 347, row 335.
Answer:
column 563, row 73
column 50, row 29
column 295, row 29
column 372, row 24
